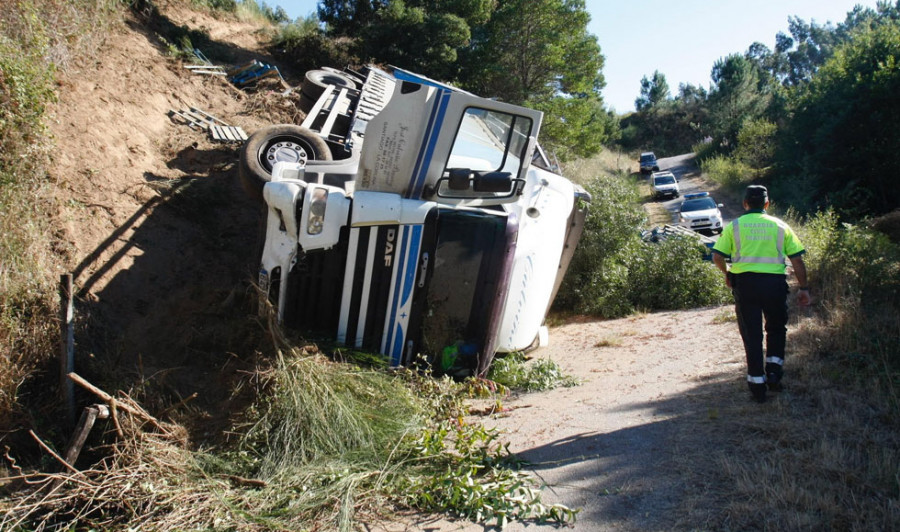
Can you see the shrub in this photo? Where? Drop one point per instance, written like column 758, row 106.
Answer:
column 307, row 50
column 855, row 273
column 597, row 280
column 705, row 150
column 727, row 171
column 614, row 273
column 514, row 372
column 221, row 5
column 756, row 143
column 669, row 275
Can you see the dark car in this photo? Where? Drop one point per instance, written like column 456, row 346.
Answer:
column 648, row 162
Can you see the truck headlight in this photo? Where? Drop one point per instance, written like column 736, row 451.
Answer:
column 315, row 220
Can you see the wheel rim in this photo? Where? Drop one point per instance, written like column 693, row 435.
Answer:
column 286, row 150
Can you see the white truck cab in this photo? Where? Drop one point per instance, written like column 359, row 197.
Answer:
column 432, row 227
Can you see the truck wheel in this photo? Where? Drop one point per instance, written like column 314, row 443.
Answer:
column 359, row 81
column 280, row 143
column 316, row 81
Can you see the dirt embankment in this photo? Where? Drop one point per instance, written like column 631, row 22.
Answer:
column 151, row 217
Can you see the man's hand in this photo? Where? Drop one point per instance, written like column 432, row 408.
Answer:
column 719, row 261
column 803, row 298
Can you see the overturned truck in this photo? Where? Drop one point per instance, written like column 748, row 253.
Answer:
column 411, row 218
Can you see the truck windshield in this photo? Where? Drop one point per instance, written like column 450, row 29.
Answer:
column 489, row 141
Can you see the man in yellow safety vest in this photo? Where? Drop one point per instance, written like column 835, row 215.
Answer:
column 758, row 245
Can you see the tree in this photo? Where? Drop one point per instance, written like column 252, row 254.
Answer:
column 689, row 93
column 421, row 35
column 844, row 135
column 653, row 91
column 348, row 17
column 735, row 98
column 539, row 53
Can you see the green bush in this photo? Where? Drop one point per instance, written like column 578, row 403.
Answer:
column 307, row 49
column 670, row 275
column 614, row 273
column 705, row 150
column 727, row 171
column 597, row 280
column 855, row 274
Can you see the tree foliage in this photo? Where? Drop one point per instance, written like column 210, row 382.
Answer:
column 844, row 133
column 527, row 52
column 669, row 126
column 654, row 91
column 736, row 97
column 539, row 53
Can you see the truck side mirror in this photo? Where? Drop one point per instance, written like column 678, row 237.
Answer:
column 493, row 182
column 459, row 179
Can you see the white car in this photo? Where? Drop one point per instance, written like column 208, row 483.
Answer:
column 700, row 212
column 664, row 184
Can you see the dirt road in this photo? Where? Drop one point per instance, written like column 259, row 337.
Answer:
column 625, row 445
column 688, row 175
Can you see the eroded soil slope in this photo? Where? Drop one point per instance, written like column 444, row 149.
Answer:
column 151, row 217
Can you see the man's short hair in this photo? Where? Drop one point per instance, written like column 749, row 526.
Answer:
column 756, row 196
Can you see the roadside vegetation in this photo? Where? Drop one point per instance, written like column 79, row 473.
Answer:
column 614, row 272
column 37, row 38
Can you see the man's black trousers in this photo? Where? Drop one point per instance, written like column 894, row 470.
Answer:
column 757, row 295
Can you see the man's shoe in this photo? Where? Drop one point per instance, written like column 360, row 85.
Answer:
column 773, row 381
column 758, row 391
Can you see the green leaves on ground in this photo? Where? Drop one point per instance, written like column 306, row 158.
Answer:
column 516, row 373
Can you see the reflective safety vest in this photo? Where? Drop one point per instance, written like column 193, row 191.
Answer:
column 757, row 242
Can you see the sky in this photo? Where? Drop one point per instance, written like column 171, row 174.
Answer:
column 680, row 39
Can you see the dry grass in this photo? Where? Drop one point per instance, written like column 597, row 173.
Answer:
column 657, row 214
column 822, row 455
column 610, row 341
column 607, row 161
column 725, row 315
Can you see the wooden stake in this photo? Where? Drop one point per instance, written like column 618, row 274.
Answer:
column 89, row 415
column 67, row 349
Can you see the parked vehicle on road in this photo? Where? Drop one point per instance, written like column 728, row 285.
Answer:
column 413, row 219
column 664, row 185
column 700, row 213
column 648, row 163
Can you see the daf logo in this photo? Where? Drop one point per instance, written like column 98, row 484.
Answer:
column 389, row 247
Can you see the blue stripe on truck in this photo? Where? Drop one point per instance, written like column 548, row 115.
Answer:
column 401, row 298
column 435, row 122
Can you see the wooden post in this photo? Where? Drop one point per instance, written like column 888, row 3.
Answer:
column 67, row 349
column 89, row 415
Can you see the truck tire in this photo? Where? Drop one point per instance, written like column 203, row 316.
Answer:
column 316, row 81
column 284, row 142
column 359, row 81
